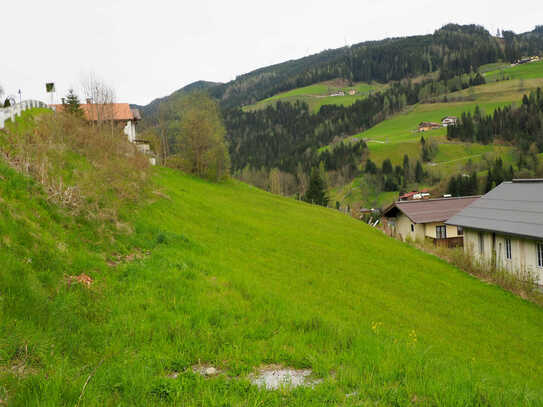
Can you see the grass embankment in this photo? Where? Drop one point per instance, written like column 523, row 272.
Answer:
column 318, row 95
column 237, row 278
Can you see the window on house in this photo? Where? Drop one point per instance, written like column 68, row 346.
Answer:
column 441, row 232
column 459, row 230
column 481, row 243
column 412, row 228
column 508, row 253
column 539, row 248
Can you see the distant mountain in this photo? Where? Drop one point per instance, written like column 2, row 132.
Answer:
column 452, row 50
column 150, row 111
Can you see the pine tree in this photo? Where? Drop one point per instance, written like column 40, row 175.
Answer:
column 71, row 104
column 406, row 172
column 316, row 193
column 474, row 184
column 419, row 173
column 387, row 166
column 371, row 168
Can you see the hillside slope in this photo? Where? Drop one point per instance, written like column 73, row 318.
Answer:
column 228, row 275
column 398, row 135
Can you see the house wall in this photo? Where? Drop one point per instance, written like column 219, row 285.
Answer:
column 130, row 130
column 403, row 227
column 452, row 231
column 523, row 252
column 421, row 230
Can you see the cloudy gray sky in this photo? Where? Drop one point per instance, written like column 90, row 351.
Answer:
column 147, row 49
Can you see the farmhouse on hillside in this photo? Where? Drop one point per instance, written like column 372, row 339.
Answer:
column 425, row 219
column 449, row 121
column 427, row 126
column 505, row 226
column 119, row 113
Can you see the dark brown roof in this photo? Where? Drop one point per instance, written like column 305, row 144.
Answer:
column 430, row 210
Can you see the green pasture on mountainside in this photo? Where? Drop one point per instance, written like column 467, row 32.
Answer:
column 317, row 95
column 398, row 135
column 530, row 70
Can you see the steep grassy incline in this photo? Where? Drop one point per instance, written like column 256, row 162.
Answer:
column 238, row 278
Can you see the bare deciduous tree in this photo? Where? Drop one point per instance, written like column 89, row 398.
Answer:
column 102, row 99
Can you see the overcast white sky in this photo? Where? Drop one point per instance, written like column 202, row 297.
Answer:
column 148, row 49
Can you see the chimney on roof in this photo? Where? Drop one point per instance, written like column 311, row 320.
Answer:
column 89, row 101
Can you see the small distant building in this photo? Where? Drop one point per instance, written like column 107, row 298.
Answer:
column 505, row 227
column 426, row 219
column 415, row 195
column 449, row 121
column 524, row 61
column 427, row 126
column 338, row 93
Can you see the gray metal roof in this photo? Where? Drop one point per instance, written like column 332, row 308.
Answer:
column 514, row 208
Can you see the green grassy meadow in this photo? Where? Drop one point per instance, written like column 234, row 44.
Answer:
column 317, row 95
column 239, row 278
column 530, row 70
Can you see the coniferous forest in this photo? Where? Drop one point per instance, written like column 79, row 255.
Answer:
column 520, row 126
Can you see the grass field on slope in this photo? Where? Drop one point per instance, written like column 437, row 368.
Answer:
column 239, row 278
column 317, row 95
column 530, row 70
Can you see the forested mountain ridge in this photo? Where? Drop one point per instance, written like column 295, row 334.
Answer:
column 451, row 50
column 150, row 111
column 286, row 139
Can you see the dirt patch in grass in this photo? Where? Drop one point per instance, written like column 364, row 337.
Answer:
column 274, row 377
column 82, row 279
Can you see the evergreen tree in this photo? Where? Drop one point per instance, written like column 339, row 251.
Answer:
column 419, row 173
column 387, row 166
column 489, row 182
column 474, row 184
column 71, row 104
column 316, row 193
column 371, row 168
column 453, row 187
column 406, row 172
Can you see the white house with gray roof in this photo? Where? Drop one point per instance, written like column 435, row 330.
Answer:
column 506, row 226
